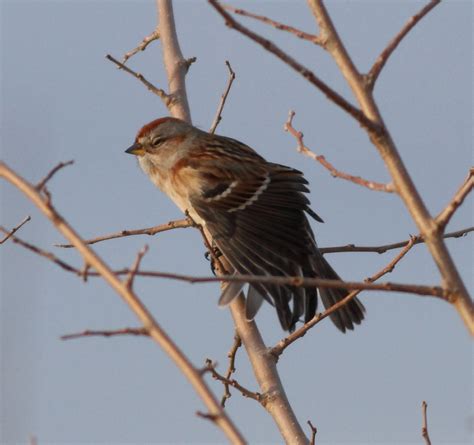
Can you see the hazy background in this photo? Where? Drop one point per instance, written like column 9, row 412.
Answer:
column 62, row 100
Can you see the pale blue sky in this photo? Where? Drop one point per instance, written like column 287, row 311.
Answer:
column 62, row 100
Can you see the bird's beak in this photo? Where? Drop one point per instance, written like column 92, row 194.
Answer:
column 135, row 149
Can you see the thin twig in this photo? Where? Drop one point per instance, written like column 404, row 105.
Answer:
column 224, row 95
column 85, row 271
column 45, row 254
column 445, row 216
column 331, row 94
column 314, row 431
column 278, row 349
column 134, row 269
column 281, row 26
column 15, row 229
column 424, row 428
column 177, row 224
column 302, row 148
column 188, row 62
column 155, row 35
column 418, row 239
column 186, row 222
column 231, row 368
column 166, row 98
column 40, row 186
column 208, row 416
column 232, row 382
column 297, row 281
column 377, row 67
column 106, row 333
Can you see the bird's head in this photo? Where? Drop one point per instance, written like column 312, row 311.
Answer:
column 158, row 133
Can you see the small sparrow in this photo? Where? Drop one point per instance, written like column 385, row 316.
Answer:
column 254, row 210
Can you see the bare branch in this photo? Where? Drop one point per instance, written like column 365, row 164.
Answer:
column 208, row 416
column 231, row 369
column 166, row 98
column 379, row 64
column 302, row 148
column 41, row 185
column 296, row 281
column 418, row 239
column 175, row 64
column 424, row 428
column 186, row 222
column 177, row 224
column 85, row 271
column 224, row 95
column 314, row 431
column 108, row 333
column 45, row 254
column 155, row 35
column 130, row 298
column 331, row 94
column 278, row 349
column 15, row 229
column 445, row 216
column 281, row 26
column 133, row 271
column 265, row 370
column 244, row 391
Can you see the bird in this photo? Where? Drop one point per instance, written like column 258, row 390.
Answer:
column 255, row 211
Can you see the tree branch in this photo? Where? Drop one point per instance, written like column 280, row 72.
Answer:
column 131, row 299
column 220, row 107
column 281, row 26
column 379, row 64
column 177, row 224
column 424, row 428
column 134, row 269
column 41, row 185
column 14, row 230
column 445, row 216
column 418, row 239
column 302, row 148
column 155, row 35
column 231, row 369
column 314, row 431
column 91, row 333
column 232, row 382
column 165, row 97
column 266, row 373
column 296, row 281
column 175, row 64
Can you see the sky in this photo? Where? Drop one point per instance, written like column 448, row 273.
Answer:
column 61, row 100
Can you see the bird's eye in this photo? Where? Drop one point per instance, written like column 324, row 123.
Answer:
column 157, row 141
